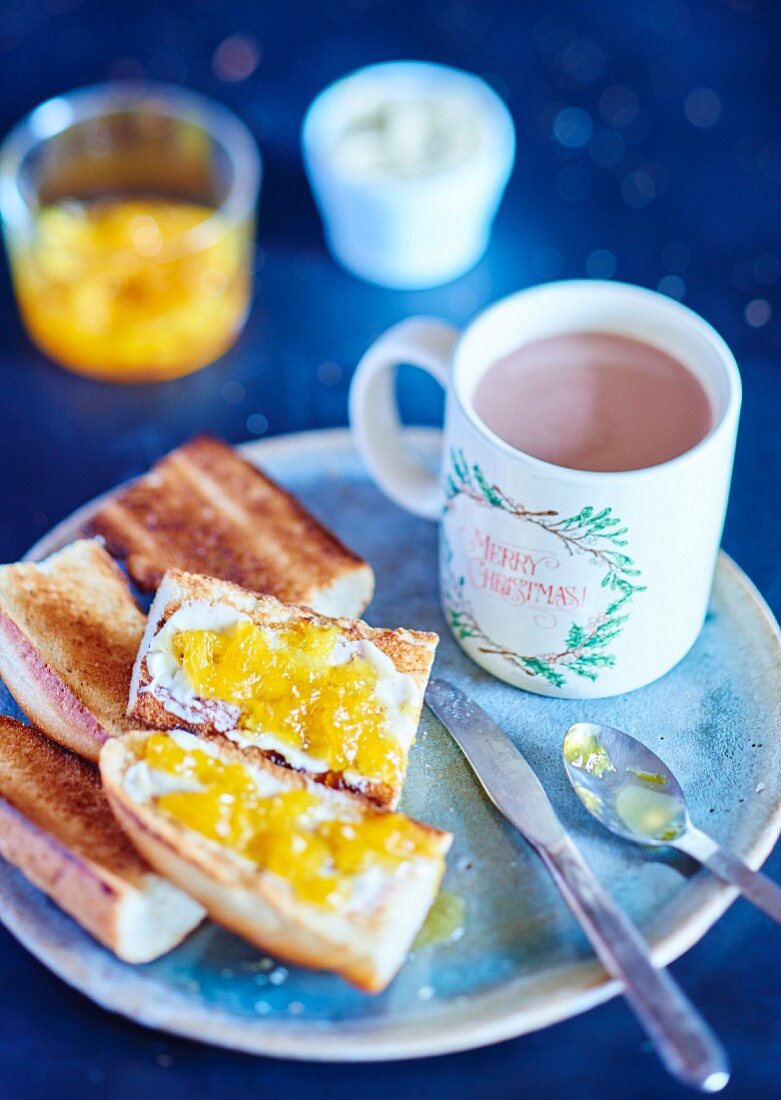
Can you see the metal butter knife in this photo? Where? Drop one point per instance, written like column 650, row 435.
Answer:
column 682, row 1039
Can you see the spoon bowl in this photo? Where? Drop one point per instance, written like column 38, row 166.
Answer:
column 624, row 785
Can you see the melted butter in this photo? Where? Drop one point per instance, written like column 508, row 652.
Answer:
column 288, row 685
column 284, row 831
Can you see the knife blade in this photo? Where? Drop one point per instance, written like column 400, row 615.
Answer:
column 504, row 773
column 683, row 1040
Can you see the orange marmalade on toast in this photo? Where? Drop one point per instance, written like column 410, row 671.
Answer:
column 318, row 844
column 302, row 689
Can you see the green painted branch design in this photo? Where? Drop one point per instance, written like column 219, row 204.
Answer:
column 595, row 534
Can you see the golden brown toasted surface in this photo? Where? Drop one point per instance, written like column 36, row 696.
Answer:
column 204, row 509
column 63, row 795
column 77, row 613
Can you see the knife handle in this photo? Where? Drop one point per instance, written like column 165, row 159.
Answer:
column 682, row 1038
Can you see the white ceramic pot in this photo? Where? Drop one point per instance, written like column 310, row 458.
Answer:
column 418, row 231
column 562, row 582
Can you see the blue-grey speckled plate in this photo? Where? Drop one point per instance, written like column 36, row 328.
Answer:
column 522, row 962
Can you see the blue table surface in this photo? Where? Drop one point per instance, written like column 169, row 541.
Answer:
column 678, row 187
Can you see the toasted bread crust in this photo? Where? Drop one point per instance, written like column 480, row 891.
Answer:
column 205, row 509
column 62, row 794
column 44, row 697
column 70, row 630
column 360, row 946
column 412, row 652
column 57, row 827
column 72, row 883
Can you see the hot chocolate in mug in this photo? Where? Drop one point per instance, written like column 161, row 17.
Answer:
column 561, row 581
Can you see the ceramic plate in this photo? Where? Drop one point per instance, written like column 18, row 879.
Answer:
column 522, row 961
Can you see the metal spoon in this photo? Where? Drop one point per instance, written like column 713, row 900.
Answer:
column 634, row 794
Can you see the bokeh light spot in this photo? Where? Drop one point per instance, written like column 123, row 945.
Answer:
column 552, row 33
column 618, row 105
column 769, row 161
column 232, row 393
column 758, row 312
column 702, row 108
column 236, row 58
column 582, row 61
column 673, row 286
column 638, row 189
column 601, row 264
column 329, row 374
column 572, row 127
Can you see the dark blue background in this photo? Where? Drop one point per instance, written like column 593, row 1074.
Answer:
column 668, row 165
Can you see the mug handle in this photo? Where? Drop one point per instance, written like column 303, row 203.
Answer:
column 423, row 342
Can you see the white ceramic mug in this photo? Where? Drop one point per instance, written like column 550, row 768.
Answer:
column 560, row 581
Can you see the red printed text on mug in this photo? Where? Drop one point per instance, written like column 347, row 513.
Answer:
column 516, row 574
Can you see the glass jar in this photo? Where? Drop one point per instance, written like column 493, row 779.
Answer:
column 128, row 215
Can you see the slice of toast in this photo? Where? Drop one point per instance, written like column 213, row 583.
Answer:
column 162, row 697
column 69, row 633
column 57, row 827
column 204, row 509
column 362, row 922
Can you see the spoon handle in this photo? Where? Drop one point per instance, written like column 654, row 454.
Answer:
column 682, row 1038
column 764, row 893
